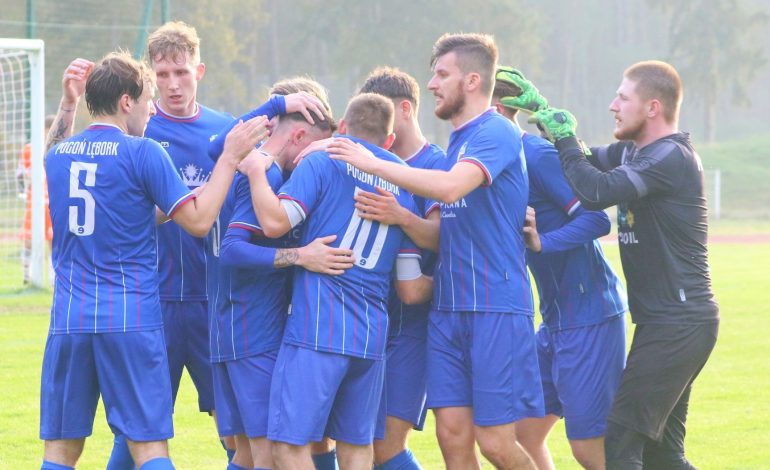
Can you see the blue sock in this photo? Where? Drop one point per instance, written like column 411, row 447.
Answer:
column 327, row 461
column 54, row 466
column 160, row 463
column 402, row 461
column 120, row 459
column 230, row 452
column 232, row 466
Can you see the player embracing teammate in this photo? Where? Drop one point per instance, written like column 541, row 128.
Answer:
column 332, row 348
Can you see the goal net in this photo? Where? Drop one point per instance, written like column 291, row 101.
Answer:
column 23, row 245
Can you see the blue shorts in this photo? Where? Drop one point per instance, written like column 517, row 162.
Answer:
column 405, row 388
column 316, row 394
column 485, row 360
column 242, row 394
column 186, row 326
column 130, row 371
column 581, row 370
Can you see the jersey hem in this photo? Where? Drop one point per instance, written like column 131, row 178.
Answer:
column 583, row 325
column 373, row 357
column 271, row 347
column 133, row 329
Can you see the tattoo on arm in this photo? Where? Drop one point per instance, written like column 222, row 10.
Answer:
column 285, row 257
column 61, row 128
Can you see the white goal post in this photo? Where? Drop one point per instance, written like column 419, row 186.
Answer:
column 22, row 108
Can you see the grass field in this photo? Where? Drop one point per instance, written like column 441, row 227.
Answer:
column 729, row 423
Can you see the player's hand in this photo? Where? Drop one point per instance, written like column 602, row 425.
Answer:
column 352, row 152
column 305, row 103
column 74, row 81
column 382, row 207
column 256, row 162
column 244, row 137
column 529, row 100
column 555, row 124
column 319, row 257
column 531, row 237
column 315, row 146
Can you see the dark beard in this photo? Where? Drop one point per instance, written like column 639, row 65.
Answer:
column 453, row 108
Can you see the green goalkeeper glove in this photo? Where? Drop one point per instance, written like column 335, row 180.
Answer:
column 554, row 123
column 529, row 100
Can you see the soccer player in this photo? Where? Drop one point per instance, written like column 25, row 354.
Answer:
column 252, row 305
column 184, row 128
column 655, row 177
column 581, row 341
column 329, row 372
column 106, row 333
column 405, row 384
column 482, row 367
column 297, row 96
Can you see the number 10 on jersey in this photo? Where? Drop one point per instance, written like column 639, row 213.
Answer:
column 357, row 237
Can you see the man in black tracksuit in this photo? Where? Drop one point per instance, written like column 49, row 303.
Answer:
column 655, row 178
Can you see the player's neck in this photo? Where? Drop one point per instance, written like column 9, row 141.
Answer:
column 113, row 120
column 408, row 142
column 475, row 105
column 655, row 131
column 189, row 111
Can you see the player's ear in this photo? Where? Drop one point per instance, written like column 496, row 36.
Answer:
column 200, row 70
column 654, row 108
column 125, row 103
column 472, row 81
column 389, row 141
column 405, row 108
column 342, row 127
column 299, row 136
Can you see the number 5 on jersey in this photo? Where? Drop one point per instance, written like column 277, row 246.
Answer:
column 76, row 192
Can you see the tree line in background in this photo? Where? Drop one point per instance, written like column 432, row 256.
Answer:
column 574, row 51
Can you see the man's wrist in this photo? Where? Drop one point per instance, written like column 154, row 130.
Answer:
column 229, row 160
column 68, row 105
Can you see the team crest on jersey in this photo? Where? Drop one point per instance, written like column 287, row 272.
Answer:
column 194, row 176
column 625, row 216
column 461, row 153
column 626, row 220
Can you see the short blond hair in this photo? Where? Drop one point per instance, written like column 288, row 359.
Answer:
column 172, row 40
column 658, row 80
column 369, row 116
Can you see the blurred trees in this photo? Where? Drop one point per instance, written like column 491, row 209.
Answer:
column 719, row 46
column 574, row 51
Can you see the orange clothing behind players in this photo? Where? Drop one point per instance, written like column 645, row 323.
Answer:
column 26, row 230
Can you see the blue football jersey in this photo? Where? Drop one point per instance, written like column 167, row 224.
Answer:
column 344, row 314
column 104, row 186
column 482, row 264
column 576, row 285
column 252, row 305
column 218, row 276
column 181, row 257
column 412, row 320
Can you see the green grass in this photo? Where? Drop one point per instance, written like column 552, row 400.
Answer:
column 730, row 405
column 745, row 166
